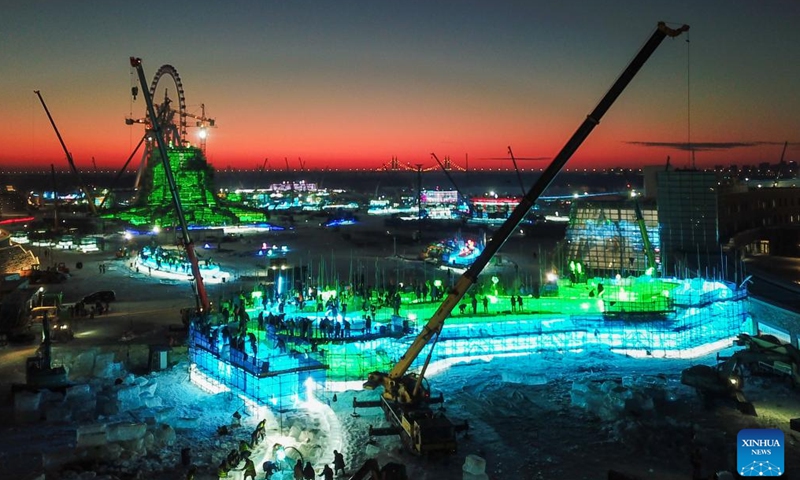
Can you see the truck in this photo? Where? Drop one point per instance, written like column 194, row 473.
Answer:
column 406, row 399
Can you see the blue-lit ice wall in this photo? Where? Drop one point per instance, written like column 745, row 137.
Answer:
column 277, row 381
column 702, row 313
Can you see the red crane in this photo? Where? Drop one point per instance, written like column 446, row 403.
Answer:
column 200, row 288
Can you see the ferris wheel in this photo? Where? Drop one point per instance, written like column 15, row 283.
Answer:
column 171, row 117
column 172, row 121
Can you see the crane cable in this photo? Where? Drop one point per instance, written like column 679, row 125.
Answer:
column 689, row 101
column 131, row 98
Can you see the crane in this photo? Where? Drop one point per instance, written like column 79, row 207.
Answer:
column 406, row 400
column 649, row 254
column 203, row 304
column 204, row 123
column 72, row 166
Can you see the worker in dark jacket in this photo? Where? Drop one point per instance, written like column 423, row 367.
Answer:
column 249, row 469
column 308, row 472
column 338, row 462
column 298, row 470
column 327, row 473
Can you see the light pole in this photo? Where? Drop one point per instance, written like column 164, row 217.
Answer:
column 419, row 201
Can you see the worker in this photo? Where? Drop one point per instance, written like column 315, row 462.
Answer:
column 269, row 468
column 244, row 449
column 486, row 304
column 474, row 305
column 233, row 458
column 327, row 473
column 338, row 462
column 259, row 433
column 236, row 419
column 308, row 472
column 223, row 469
column 249, row 469
column 298, row 470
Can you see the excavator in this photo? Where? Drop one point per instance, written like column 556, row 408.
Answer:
column 722, row 381
column 406, row 399
column 762, row 354
column 765, row 353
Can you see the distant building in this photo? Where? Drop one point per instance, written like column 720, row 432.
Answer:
column 702, row 216
column 688, row 217
column 761, row 220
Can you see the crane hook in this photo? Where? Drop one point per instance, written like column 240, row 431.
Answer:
column 134, row 91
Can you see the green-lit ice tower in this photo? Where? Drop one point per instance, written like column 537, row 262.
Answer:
column 195, row 181
column 194, row 177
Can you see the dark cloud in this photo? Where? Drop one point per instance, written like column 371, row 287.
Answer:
column 703, row 146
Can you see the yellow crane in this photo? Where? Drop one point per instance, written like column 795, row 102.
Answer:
column 406, row 400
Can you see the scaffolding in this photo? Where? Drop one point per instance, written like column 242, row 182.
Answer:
column 606, row 238
column 341, row 330
column 641, row 316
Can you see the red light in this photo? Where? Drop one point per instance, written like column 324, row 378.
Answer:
column 9, row 221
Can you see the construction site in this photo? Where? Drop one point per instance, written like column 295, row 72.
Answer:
column 599, row 349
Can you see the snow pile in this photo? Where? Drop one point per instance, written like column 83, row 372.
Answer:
column 610, row 399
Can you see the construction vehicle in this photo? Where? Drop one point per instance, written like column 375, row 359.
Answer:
column 723, row 381
column 767, row 354
column 371, row 470
column 201, row 296
column 86, row 190
column 763, row 354
column 39, row 371
column 406, row 400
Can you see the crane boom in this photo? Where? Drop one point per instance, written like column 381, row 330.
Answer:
column 188, row 244
column 469, row 277
column 405, row 403
column 72, row 166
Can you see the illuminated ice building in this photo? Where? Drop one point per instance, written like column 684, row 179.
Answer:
column 195, row 181
column 605, row 290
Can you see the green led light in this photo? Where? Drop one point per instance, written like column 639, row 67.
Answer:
column 194, row 178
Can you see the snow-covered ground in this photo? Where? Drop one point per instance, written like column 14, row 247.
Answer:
column 547, row 415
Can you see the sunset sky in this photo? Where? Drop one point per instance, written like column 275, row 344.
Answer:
column 344, row 84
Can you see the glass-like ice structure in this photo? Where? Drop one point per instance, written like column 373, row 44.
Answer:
column 635, row 316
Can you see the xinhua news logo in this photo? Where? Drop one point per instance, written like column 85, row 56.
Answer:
column 759, row 452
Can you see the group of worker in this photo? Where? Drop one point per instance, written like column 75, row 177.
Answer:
column 235, row 456
column 308, row 473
